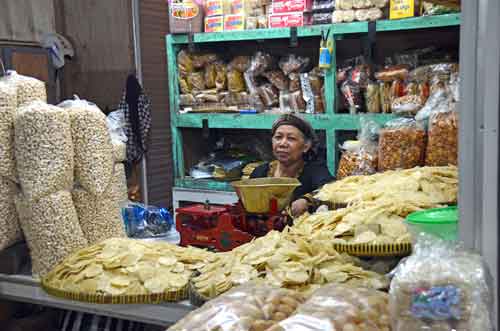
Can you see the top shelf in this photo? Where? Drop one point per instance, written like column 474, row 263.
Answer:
column 423, row 22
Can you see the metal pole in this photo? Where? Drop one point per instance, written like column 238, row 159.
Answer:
column 138, row 67
column 479, row 125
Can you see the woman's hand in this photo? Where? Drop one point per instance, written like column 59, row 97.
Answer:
column 299, row 207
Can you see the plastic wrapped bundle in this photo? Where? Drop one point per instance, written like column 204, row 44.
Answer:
column 10, row 232
column 441, row 287
column 340, row 308
column 44, row 149
column 8, row 104
column 119, row 152
column 118, row 189
column 92, row 145
column 51, row 229
column 99, row 216
column 28, row 88
column 401, row 145
column 253, row 306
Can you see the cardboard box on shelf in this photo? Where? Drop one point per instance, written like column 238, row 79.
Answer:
column 214, row 7
column 290, row 6
column 214, row 24
column 240, row 7
column 234, row 22
column 287, row 20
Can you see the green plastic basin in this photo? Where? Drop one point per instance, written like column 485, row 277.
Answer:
column 441, row 222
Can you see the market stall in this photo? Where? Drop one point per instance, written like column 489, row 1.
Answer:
column 389, row 126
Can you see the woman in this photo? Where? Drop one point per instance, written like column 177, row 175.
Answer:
column 294, row 147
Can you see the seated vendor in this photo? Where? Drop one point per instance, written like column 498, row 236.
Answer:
column 294, row 147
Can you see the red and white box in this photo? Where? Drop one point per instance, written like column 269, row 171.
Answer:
column 234, row 22
column 291, row 6
column 287, row 20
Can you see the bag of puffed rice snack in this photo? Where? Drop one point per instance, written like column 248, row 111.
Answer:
column 44, row 149
column 51, row 229
column 28, row 89
column 92, row 144
column 10, row 231
column 8, row 104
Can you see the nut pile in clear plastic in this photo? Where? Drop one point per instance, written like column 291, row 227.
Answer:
column 340, row 308
column 401, row 148
column 44, row 149
column 10, row 231
column 92, row 146
column 442, row 144
column 253, row 306
column 8, row 104
column 51, row 229
column 28, row 89
column 99, row 216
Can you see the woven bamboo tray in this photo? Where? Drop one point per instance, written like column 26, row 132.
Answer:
column 155, row 298
column 375, row 250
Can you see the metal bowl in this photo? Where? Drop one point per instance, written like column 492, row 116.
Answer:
column 256, row 194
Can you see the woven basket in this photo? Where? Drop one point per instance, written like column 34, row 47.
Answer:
column 155, row 298
column 375, row 250
column 195, row 298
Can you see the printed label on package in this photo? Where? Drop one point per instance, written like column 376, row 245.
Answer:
column 401, row 9
column 438, row 303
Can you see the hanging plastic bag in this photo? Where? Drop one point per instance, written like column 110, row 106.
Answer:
column 441, row 286
column 143, row 221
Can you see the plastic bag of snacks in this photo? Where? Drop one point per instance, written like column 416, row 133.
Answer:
column 401, row 145
column 441, row 287
column 372, row 98
column 360, row 158
column 260, row 63
column 442, row 140
column 278, row 79
column 250, row 307
column 292, row 63
column 28, row 89
column 221, row 76
column 143, row 221
column 44, row 149
column 93, row 150
column 184, row 63
column 340, row 308
column 8, row 105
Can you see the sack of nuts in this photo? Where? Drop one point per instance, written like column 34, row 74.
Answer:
column 253, row 306
column 401, row 145
column 340, row 308
column 442, row 146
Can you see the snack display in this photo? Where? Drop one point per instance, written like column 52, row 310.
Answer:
column 51, row 229
column 125, row 271
column 10, row 231
column 253, row 306
column 44, row 149
column 442, row 145
column 340, row 308
column 8, row 104
column 441, row 287
column 401, row 145
column 93, row 150
column 438, row 185
column 289, row 260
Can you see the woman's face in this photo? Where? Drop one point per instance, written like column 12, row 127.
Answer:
column 289, row 144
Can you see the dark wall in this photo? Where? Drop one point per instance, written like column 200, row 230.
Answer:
column 154, row 27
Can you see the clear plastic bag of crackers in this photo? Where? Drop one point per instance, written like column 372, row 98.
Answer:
column 441, row 286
